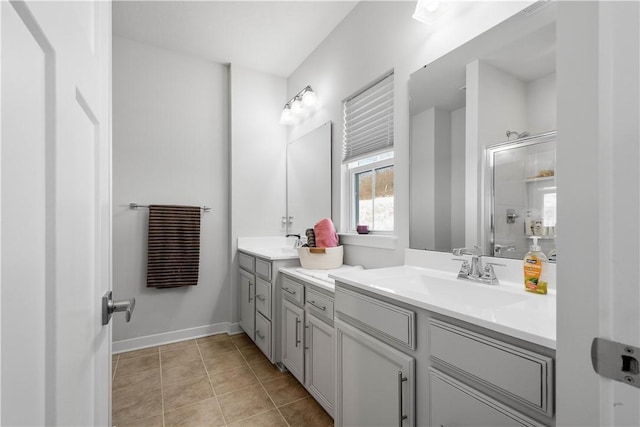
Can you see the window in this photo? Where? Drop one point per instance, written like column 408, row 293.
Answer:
column 371, row 190
column 368, row 155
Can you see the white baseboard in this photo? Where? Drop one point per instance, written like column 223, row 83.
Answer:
column 174, row 336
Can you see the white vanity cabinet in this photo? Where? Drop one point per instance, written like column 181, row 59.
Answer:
column 398, row 364
column 376, row 382
column 308, row 337
column 453, row 403
column 487, row 380
column 259, row 300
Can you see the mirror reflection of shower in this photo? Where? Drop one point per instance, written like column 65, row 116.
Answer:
column 520, row 197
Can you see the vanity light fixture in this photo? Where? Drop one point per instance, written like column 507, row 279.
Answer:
column 428, row 11
column 299, row 106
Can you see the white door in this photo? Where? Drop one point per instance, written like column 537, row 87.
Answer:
column 599, row 204
column 55, row 212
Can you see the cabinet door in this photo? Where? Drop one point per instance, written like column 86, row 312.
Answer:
column 452, row 403
column 319, row 361
column 247, row 303
column 292, row 339
column 263, row 334
column 375, row 382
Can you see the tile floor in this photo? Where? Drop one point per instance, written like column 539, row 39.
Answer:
column 219, row 380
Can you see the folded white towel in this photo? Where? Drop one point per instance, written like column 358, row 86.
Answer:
column 324, row 274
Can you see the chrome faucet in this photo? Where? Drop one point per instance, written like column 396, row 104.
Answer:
column 298, row 241
column 476, row 271
column 498, row 249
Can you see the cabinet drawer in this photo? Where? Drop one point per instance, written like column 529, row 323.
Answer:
column 263, row 268
column 263, row 334
column 246, row 261
column 378, row 317
column 452, row 403
column 517, row 373
column 293, row 290
column 321, row 305
column 263, row 297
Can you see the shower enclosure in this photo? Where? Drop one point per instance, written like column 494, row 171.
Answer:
column 520, row 196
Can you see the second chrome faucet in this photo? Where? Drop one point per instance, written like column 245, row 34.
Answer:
column 476, row 271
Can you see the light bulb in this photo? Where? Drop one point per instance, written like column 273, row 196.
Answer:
column 296, row 107
column 310, row 99
column 286, row 118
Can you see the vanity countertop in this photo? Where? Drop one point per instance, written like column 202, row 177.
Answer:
column 270, row 248
column 504, row 308
column 272, row 254
column 319, row 278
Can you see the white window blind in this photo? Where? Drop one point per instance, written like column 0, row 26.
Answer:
column 368, row 121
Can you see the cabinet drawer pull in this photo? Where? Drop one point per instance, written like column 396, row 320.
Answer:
column 259, row 335
column 289, row 290
column 260, row 297
column 313, row 303
column 297, row 334
column 401, row 417
column 250, row 285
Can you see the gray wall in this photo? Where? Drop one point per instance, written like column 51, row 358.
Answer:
column 170, row 146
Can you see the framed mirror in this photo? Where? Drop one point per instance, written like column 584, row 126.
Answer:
column 497, row 84
column 309, row 179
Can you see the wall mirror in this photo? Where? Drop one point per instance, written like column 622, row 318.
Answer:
column 309, row 179
column 498, row 87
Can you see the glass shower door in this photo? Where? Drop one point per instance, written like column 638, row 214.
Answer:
column 522, row 196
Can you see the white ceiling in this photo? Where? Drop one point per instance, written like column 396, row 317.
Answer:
column 270, row 36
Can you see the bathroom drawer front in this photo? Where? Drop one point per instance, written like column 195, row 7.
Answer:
column 263, row 334
column 515, row 372
column 263, row 297
column 263, row 268
column 246, row 261
column 321, row 305
column 454, row 403
column 377, row 317
column 292, row 290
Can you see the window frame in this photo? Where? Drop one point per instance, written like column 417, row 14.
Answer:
column 352, row 172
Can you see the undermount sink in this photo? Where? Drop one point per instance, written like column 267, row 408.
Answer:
column 280, row 251
column 453, row 291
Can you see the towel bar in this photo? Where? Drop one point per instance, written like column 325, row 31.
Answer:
column 133, row 205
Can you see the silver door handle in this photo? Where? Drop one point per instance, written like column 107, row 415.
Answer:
column 250, row 285
column 260, row 297
column 401, row 416
column 289, row 290
column 297, row 334
column 109, row 306
column 259, row 334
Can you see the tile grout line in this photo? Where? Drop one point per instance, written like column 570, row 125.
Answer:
column 113, row 374
column 267, row 393
column 215, row 394
column 161, row 385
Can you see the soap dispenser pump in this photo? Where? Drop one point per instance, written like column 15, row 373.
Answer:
column 535, row 269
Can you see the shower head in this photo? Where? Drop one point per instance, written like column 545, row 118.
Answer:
column 517, row 134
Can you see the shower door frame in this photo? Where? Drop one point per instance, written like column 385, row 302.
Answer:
column 487, row 209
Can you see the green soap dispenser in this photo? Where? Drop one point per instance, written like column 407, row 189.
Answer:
column 535, row 269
